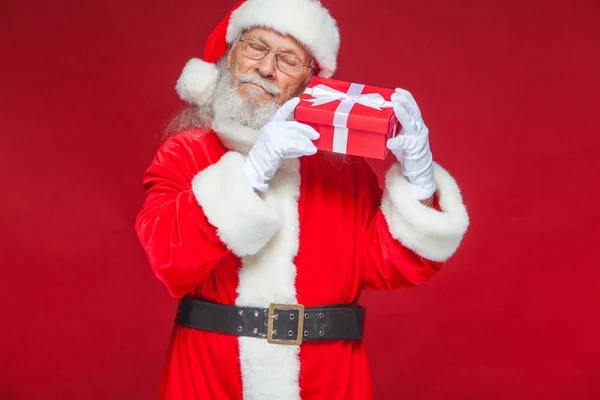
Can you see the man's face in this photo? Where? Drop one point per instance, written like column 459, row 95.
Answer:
column 261, row 81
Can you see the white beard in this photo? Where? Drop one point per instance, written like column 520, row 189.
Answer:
column 237, row 121
column 229, row 105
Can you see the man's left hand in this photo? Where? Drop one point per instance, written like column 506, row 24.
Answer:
column 411, row 146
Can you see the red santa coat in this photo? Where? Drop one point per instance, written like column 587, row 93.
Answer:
column 319, row 235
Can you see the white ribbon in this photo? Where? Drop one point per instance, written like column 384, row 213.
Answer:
column 323, row 94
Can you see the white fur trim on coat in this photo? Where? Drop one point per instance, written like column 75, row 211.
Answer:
column 233, row 135
column 306, row 20
column 431, row 234
column 245, row 223
column 271, row 371
column 197, row 81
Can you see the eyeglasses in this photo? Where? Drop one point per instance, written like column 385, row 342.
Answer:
column 287, row 63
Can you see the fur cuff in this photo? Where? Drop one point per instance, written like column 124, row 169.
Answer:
column 431, row 234
column 244, row 222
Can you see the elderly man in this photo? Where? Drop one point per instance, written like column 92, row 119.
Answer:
column 268, row 242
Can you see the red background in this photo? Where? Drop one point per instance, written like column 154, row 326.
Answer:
column 509, row 90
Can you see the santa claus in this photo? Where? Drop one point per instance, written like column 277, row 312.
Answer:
column 268, row 242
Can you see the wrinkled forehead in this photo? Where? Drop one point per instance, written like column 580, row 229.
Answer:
column 277, row 41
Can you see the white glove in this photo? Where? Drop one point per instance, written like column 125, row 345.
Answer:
column 278, row 140
column 411, row 146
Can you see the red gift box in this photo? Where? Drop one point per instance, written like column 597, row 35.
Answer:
column 351, row 118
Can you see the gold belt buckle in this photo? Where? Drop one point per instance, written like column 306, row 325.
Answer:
column 271, row 322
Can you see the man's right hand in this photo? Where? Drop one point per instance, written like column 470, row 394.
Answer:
column 278, row 140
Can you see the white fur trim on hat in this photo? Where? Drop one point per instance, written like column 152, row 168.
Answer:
column 197, row 81
column 306, row 20
column 431, row 234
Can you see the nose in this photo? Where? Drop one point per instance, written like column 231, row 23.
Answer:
column 267, row 66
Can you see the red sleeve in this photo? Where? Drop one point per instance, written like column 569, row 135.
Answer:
column 388, row 264
column 182, row 246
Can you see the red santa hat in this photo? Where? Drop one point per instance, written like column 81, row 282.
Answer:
column 306, row 20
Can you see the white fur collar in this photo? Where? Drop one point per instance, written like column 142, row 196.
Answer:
column 234, row 136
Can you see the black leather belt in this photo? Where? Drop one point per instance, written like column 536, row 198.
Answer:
column 280, row 323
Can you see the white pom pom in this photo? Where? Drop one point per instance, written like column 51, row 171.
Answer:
column 197, row 81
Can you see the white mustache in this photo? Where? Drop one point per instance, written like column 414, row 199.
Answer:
column 251, row 78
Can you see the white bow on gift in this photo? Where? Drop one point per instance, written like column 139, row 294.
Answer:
column 323, row 94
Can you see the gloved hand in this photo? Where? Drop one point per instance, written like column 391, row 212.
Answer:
column 278, row 140
column 411, row 146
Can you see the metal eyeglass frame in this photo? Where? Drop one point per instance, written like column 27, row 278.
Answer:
column 277, row 53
